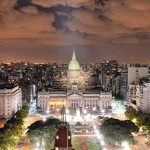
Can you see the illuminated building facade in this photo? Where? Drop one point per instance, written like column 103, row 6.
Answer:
column 75, row 96
column 10, row 100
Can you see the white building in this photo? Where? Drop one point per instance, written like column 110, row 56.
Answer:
column 139, row 96
column 10, row 100
column 75, row 96
column 87, row 100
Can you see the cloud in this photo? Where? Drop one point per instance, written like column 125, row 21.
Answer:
column 17, row 24
column 6, row 5
column 71, row 3
column 55, row 23
column 122, row 12
column 30, row 10
column 138, row 4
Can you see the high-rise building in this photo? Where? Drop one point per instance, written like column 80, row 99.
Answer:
column 10, row 100
column 139, row 96
column 123, row 86
column 108, row 73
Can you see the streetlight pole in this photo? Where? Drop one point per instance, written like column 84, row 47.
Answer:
column 67, row 138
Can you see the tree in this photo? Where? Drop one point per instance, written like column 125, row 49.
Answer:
column 46, row 130
column 131, row 113
column 141, row 120
column 23, row 113
column 116, row 131
column 11, row 133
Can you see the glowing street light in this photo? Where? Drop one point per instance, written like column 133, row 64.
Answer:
column 134, row 120
column 102, row 143
column 125, row 146
column 47, row 111
column 94, row 108
column 38, row 144
column 44, row 119
column 103, row 111
column 67, row 111
column 96, row 132
column 58, row 109
column 84, row 111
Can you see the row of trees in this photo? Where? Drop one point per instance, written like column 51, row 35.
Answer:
column 11, row 133
column 140, row 119
column 116, row 131
column 44, row 132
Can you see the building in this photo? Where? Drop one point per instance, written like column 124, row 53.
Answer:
column 123, row 86
column 10, row 100
column 87, row 100
column 28, row 92
column 109, row 71
column 75, row 96
column 139, row 96
column 138, row 93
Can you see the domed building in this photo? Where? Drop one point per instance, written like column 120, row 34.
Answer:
column 74, row 64
column 74, row 78
column 76, row 95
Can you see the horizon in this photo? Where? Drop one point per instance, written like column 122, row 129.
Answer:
column 35, row 30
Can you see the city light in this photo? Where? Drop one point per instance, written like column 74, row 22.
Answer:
column 44, row 119
column 94, row 108
column 58, row 109
column 67, row 111
column 125, row 145
column 102, row 143
column 38, row 144
column 98, row 98
column 103, row 111
column 96, row 132
column 134, row 120
column 84, row 111
column 47, row 111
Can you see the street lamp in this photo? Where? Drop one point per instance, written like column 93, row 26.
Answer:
column 84, row 111
column 125, row 145
column 44, row 119
column 134, row 120
column 47, row 111
column 94, row 108
column 67, row 111
column 102, row 143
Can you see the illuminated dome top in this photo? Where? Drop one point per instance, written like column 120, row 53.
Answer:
column 74, row 64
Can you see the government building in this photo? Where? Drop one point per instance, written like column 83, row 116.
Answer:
column 10, row 100
column 75, row 95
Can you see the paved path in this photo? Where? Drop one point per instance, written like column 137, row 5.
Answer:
column 83, row 144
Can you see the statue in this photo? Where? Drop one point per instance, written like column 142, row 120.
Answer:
column 78, row 115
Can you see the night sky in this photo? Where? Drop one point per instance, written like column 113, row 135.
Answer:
column 46, row 30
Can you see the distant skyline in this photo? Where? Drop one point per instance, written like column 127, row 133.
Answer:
column 46, row 30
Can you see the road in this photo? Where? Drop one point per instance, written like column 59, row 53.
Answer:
column 33, row 116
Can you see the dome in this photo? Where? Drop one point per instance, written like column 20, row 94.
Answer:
column 74, row 64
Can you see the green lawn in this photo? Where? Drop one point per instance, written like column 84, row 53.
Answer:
column 75, row 139
column 91, row 143
column 77, row 147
